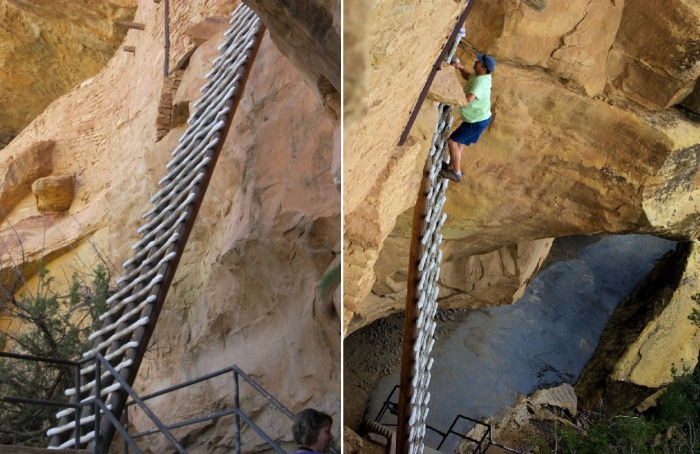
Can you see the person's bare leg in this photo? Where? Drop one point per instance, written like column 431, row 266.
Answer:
column 455, row 155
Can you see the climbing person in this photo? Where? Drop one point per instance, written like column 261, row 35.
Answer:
column 312, row 431
column 476, row 114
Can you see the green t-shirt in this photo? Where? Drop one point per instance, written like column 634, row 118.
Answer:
column 480, row 108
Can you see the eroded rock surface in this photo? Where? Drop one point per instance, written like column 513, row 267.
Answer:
column 46, row 48
column 19, row 173
column 647, row 334
column 308, row 33
column 584, row 137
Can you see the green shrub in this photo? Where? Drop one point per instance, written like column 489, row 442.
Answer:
column 670, row 428
column 49, row 325
column 695, row 312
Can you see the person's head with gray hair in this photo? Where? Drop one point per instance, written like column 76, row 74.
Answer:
column 312, row 430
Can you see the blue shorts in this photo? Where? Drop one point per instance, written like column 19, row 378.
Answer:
column 469, row 133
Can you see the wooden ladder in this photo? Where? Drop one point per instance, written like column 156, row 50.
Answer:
column 133, row 310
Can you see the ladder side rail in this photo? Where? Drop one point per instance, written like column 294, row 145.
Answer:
column 423, row 273
column 168, row 269
column 128, row 374
column 128, row 352
column 436, row 66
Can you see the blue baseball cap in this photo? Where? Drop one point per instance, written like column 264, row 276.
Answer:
column 488, row 61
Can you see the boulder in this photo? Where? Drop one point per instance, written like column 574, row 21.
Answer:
column 54, row 193
column 447, row 87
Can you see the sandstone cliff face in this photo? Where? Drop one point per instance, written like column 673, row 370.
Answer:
column 308, row 33
column 584, row 139
column 267, row 231
column 46, row 50
column 648, row 335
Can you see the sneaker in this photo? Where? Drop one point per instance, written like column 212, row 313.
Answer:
column 451, row 175
column 443, row 166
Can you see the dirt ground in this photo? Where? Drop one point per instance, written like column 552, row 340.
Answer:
column 373, row 352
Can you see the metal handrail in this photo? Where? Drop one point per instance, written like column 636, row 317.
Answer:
column 480, row 448
column 259, row 431
column 125, row 386
column 185, row 423
column 100, row 407
column 41, row 359
column 479, row 442
column 57, row 361
column 115, row 422
column 236, row 411
column 211, row 375
column 97, row 402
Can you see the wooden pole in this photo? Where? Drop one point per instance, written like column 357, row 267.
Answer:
column 144, row 333
column 127, row 24
column 433, row 72
column 166, row 58
column 408, row 359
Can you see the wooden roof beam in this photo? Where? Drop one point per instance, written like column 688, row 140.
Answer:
column 127, row 24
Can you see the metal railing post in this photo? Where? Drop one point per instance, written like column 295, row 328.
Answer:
column 100, row 408
column 236, row 407
column 98, row 396
column 76, row 379
column 147, row 411
column 126, row 426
